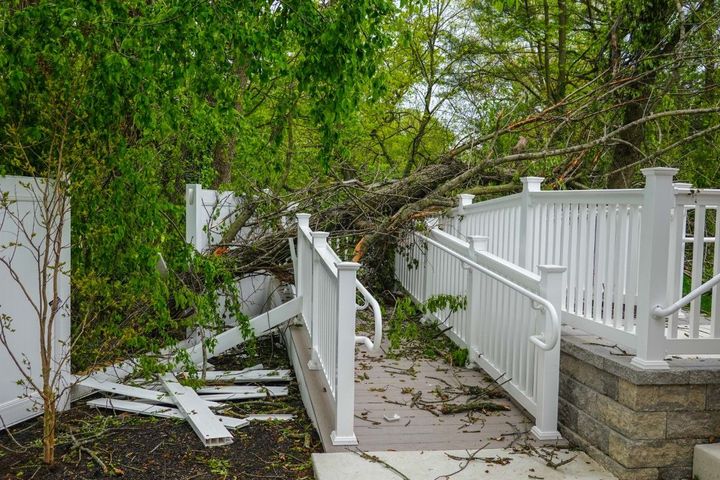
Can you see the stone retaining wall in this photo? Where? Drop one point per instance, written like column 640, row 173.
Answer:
column 639, row 424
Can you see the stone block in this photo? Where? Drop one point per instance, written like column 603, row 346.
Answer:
column 567, row 414
column 650, row 453
column 595, row 433
column 576, row 393
column 675, row 473
column 632, row 424
column 599, row 380
column 661, row 397
column 693, row 424
column 712, row 399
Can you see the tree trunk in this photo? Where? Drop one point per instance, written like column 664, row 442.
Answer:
column 49, row 422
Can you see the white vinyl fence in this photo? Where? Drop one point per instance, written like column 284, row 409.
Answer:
column 207, row 214
column 22, row 234
column 626, row 251
column 510, row 325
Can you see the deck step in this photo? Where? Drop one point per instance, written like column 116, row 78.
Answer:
column 501, row 464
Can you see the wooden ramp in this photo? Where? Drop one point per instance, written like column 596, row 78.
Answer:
column 385, row 388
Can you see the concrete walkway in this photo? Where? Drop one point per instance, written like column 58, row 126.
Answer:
column 500, row 464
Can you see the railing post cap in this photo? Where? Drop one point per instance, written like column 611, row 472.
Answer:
column 552, row 268
column 354, row 266
column 302, row 216
column 532, row 184
column 465, row 199
column 319, row 234
column 659, row 172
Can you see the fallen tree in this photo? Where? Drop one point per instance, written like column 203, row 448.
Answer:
column 365, row 220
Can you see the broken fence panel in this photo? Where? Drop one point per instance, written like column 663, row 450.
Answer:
column 253, row 376
column 205, row 423
column 158, row 411
column 271, row 416
column 238, row 389
column 134, row 392
column 260, row 324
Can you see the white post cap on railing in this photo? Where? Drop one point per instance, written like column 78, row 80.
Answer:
column 303, row 220
column 344, row 266
column 532, row 184
column 320, row 239
column 465, row 199
column 659, row 172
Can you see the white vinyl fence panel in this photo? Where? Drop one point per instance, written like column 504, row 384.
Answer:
column 627, row 252
column 22, row 230
column 499, row 320
column 207, row 214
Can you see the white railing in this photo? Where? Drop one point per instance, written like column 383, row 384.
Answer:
column 625, row 251
column 329, row 288
column 695, row 255
column 510, row 325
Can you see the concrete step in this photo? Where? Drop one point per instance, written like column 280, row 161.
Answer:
column 500, row 464
column 706, row 462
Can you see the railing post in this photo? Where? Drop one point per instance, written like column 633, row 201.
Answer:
column 345, row 364
column 658, row 202
column 548, row 362
column 676, row 257
column 530, row 185
column 319, row 242
column 429, row 272
column 477, row 244
column 464, row 199
column 303, row 263
column 193, row 219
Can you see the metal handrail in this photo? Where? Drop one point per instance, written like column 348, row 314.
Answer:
column 377, row 315
column 661, row 312
column 371, row 345
column 554, row 334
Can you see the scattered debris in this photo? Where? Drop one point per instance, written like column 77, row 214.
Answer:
column 391, row 418
column 376, row 459
column 450, row 408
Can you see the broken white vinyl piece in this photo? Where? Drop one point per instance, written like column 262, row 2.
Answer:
column 157, row 411
column 391, row 418
column 134, row 392
column 207, row 426
column 253, row 376
column 237, row 389
column 270, row 416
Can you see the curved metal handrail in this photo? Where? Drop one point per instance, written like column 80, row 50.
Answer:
column 377, row 315
column 661, row 312
column 538, row 340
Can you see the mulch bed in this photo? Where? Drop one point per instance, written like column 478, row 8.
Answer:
column 132, row 446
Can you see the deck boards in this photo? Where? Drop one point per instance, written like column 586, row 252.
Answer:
column 382, row 384
column 380, row 381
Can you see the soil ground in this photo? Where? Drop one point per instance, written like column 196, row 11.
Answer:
column 132, row 446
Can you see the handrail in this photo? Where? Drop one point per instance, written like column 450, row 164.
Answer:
column 661, row 312
column 371, row 345
column 377, row 315
column 554, row 334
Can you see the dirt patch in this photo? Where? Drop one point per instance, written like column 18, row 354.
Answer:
column 146, row 448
